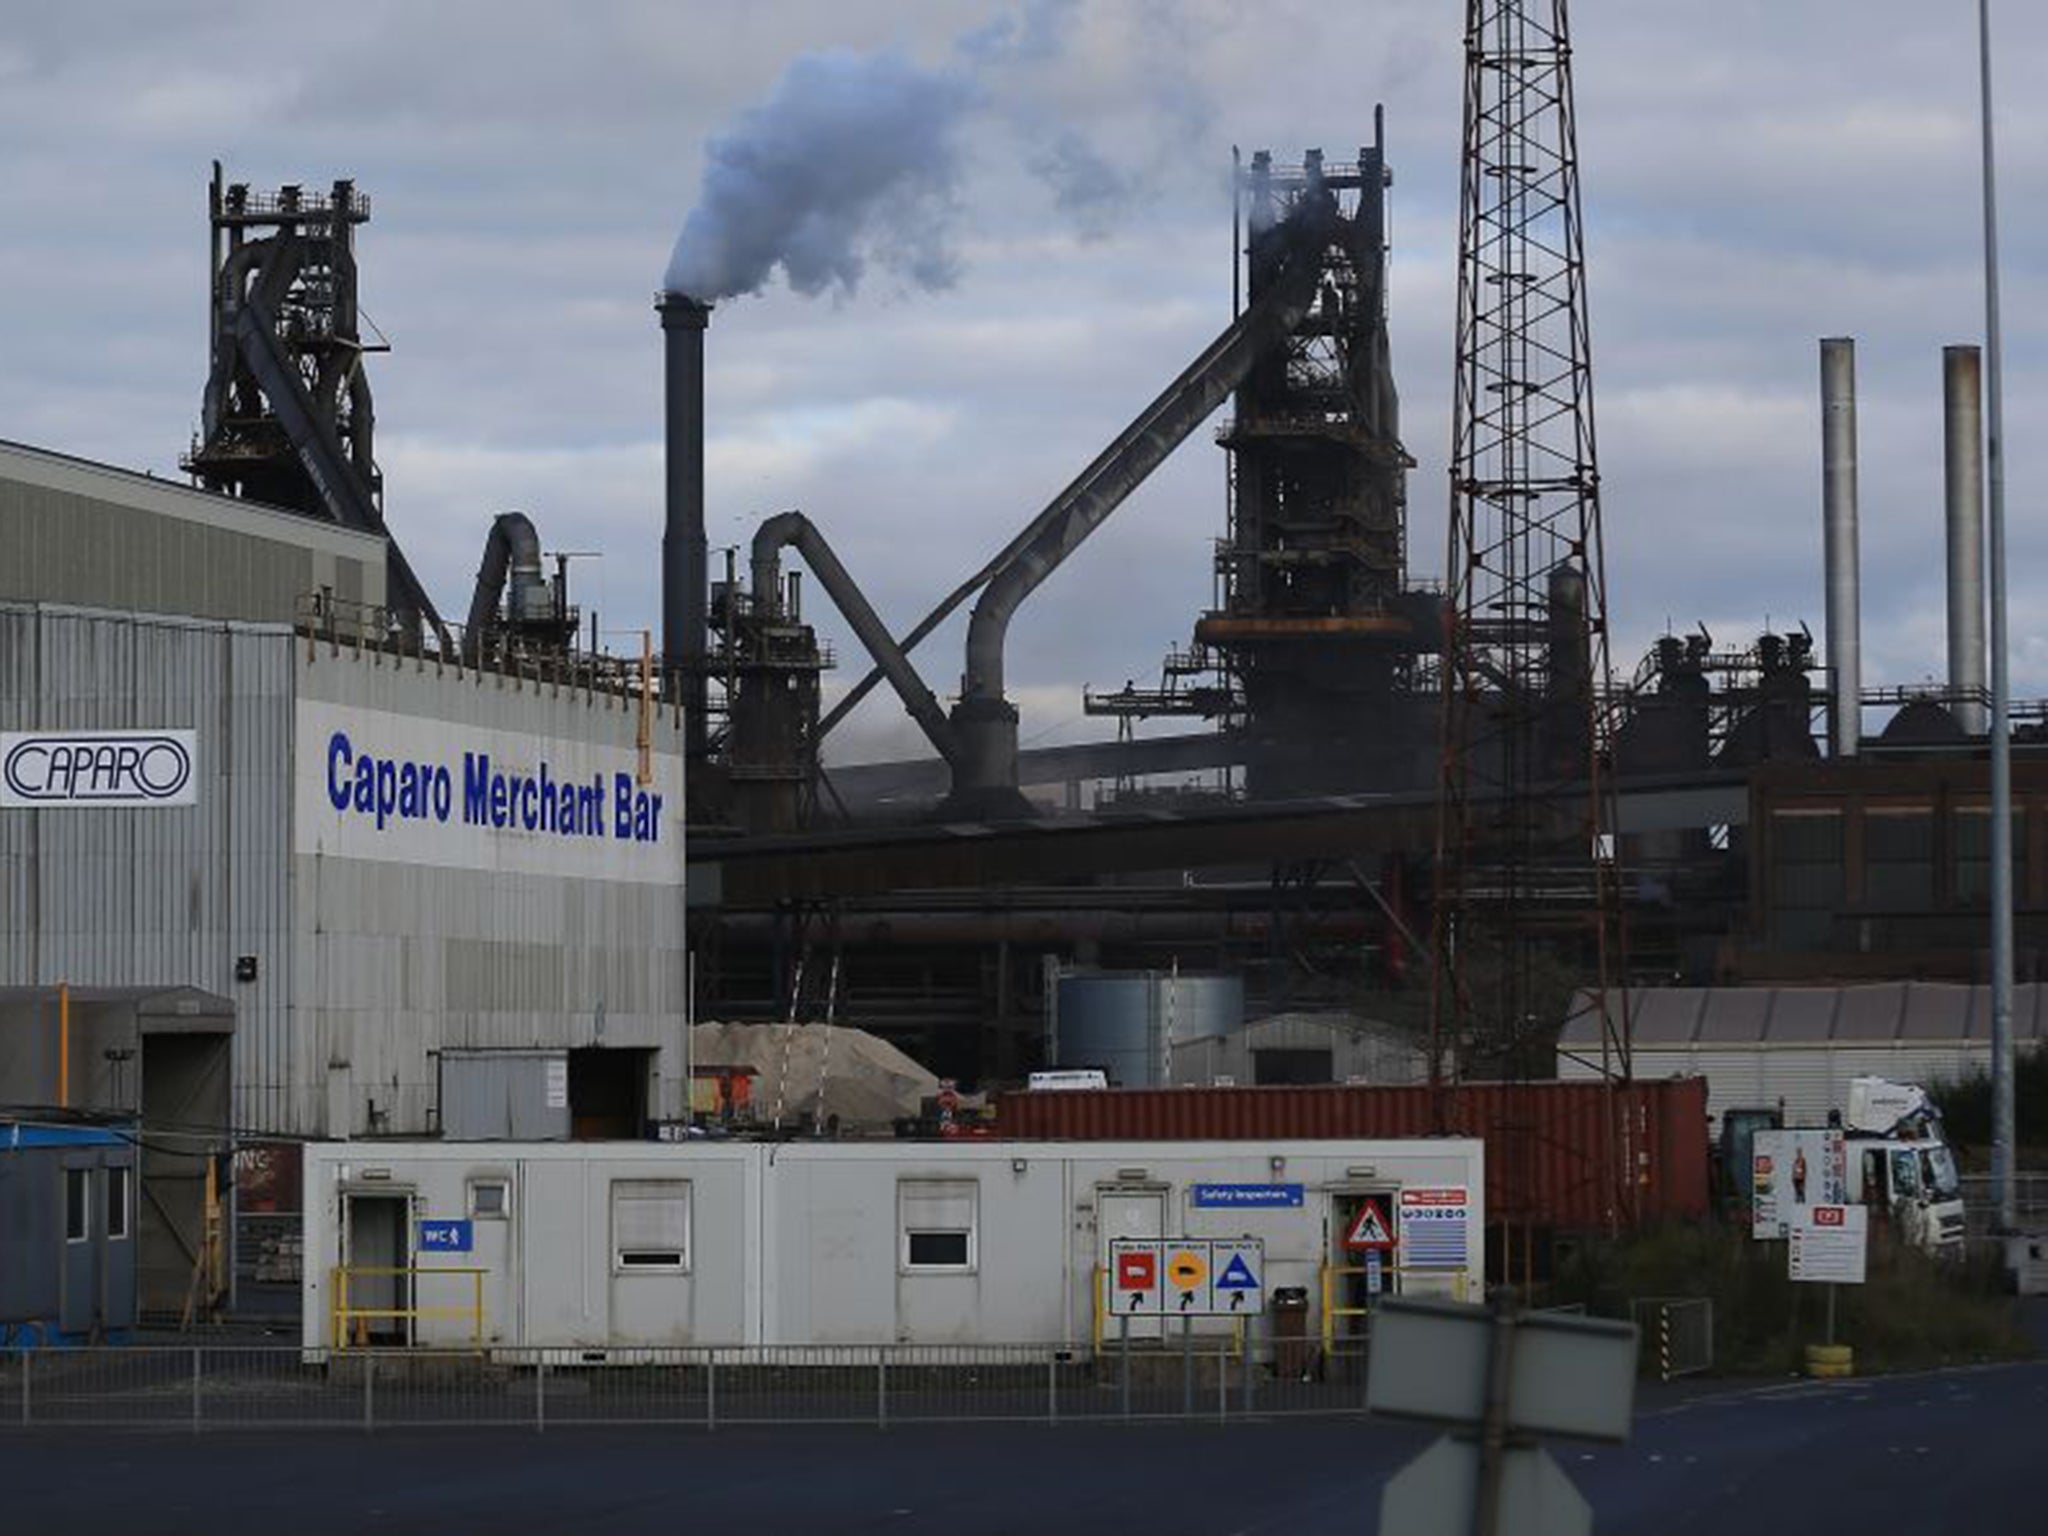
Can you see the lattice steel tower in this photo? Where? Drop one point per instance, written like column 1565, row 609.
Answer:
column 1527, row 895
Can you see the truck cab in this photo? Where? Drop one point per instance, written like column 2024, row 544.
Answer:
column 1900, row 1164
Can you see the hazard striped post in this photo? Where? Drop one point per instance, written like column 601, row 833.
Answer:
column 1664, row 1339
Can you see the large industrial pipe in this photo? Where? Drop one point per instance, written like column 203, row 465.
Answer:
column 985, row 721
column 1962, row 393
column 796, row 530
column 683, row 320
column 1838, row 512
column 513, row 549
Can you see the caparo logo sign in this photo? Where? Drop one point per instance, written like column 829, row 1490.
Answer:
column 111, row 769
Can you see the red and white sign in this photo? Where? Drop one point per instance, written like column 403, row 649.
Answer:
column 1370, row 1231
column 1829, row 1243
column 1137, row 1271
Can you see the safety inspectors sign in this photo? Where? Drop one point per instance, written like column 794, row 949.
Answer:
column 1185, row 1277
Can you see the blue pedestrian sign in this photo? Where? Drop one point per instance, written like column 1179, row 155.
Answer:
column 445, row 1237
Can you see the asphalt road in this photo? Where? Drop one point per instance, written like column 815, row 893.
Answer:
column 1937, row 1452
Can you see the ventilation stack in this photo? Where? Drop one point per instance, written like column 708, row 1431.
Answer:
column 683, row 320
column 1962, row 392
column 1838, row 512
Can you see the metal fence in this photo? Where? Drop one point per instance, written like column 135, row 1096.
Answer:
column 1980, row 1201
column 1677, row 1334
column 218, row 1387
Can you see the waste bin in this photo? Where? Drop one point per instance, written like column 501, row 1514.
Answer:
column 1294, row 1352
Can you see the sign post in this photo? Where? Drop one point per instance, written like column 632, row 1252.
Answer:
column 1498, row 1378
column 1830, row 1244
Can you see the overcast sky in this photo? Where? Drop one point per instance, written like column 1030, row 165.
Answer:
column 1757, row 174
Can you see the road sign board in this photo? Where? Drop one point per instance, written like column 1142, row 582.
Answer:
column 1134, row 1278
column 1436, row 1493
column 1793, row 1169
column 446, row 1237
column 1829, row 1242
column 1238, row 1288
column 1185, row 1277
column 1369, row 1228
column 1571, row 1375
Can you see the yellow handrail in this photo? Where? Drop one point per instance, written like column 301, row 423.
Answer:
column 1330, row 1272
column 342, row 1315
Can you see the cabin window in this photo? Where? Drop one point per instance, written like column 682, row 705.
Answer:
column 650, row 1225
column 490, row 1199
column 77, row 1204
column 117, row 1202
column 937, row 1219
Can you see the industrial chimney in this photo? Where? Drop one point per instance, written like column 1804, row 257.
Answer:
column 683, row 576
column 1838, row 513
column 1962, row 394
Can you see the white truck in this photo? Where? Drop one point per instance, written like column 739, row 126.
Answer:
column 1886, row 1152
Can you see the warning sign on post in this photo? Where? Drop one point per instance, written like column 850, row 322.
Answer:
column 1185, row 1277
column 1370, row 1229
column 1829, row 1242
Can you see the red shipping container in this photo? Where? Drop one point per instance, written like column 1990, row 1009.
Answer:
column 1549, row 1145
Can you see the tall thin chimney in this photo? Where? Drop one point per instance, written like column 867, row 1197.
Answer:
column 1838, row 513
column 683, row 574
column 1962, row 397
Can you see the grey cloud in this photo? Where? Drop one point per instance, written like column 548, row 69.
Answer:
column 1755, row 178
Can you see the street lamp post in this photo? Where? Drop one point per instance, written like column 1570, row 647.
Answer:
column 2002, row 1128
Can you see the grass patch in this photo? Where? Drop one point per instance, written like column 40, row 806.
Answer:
column 1912, row 1313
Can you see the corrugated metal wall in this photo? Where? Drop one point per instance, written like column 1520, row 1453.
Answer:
column 397, row 961
column 364, row 970
column 78, row 532
column 169, row 896
column 1545, row 1141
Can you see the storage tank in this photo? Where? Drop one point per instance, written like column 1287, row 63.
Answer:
column 1122, row 1021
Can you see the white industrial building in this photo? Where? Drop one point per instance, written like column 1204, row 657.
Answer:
column 603, row 1246
column 373, row 850
column 1760, row 1047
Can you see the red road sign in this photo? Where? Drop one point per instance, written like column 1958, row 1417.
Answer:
column 1137, row 1271
column 1370, row 1230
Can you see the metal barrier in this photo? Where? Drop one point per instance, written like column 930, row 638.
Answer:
column 341, row 1315
column 1980, row 1201
column 1678, row 1334
column 1217, row 1377
column 1395, row 1276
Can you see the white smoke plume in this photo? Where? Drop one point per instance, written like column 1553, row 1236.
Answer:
column 854, row 157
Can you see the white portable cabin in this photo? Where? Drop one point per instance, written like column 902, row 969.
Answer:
column 595, row 1246
column 1757, row 1046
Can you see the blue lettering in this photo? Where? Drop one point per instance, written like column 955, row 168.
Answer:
column 443, row 793
column 622, row 807
column 387, row 791
column 338, row 754
column 476, row 788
